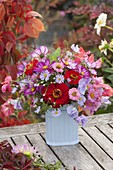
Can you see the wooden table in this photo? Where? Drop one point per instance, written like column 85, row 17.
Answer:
column 94, row 152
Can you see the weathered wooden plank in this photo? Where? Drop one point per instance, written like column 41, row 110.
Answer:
column 100, row 119
column 44, row 150
column 101, row 139
column 75, row 155
column 95, row 150
column 111, row 124
column 22, row 130
column 107, row 130
column 20, row 140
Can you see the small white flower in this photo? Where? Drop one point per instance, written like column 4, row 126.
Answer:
column 37, row 109
column 100, row 22
column 59, row 79
column 102, row 47
column 75, row 48
column 56, row 112
column 41, row 100
column 45, row 75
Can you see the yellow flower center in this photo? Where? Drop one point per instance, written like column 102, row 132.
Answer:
column 82, row 73
column 100, row 22
column 45, row 67
column 67, row 63
column 73, row 76
column 33, row 89
column 92, row 95
column 57, row 93
column 74, row 94
column 58, row 66
column 56, row 112
column 45, row 75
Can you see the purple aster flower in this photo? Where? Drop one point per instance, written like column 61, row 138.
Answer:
column 82, row 119
column 27, row 150
column 56, row 112
column 30, row 89
column 40, row 52
column 72, row 111
column 45, row 75
column 83, row 85
column 43, row 65
column 84, row 72
column 81, row 100
column 59, row 78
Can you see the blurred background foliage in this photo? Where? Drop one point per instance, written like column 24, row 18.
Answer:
column 73, row 21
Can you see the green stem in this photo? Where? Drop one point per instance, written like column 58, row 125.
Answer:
column 110, row 49
column 109, row 27
column 108, row 61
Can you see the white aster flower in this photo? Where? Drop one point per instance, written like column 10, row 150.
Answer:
column 59, row 79
column 102, row 47
column 45, row 75
column 100, row 22
column 56, row 112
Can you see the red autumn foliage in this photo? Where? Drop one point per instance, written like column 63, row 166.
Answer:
column 18, row 23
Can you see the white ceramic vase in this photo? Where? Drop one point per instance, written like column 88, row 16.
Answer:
column 61, row 130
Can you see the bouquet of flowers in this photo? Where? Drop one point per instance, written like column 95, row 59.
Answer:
column 62, row 77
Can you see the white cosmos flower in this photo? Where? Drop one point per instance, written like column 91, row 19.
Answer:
column 100, row 22
column 102, row 47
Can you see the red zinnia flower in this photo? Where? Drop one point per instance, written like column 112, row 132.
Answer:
column 72, row 76
column 56, row 94
column 30, row 67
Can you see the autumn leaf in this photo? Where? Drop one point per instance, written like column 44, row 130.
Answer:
column 9, row 45
column 31, row 14
column 2, row 11
column 10, row 21
column 12, row 71
column 33, row 27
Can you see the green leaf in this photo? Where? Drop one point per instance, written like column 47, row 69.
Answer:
column 110, row 78
column 55, row 54
column 108, row 70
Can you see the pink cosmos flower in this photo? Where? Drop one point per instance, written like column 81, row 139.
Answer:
column 91, row 107
column 99, row 83
column 58, row 67
column 74, row 94
column 40, row 52
column 27, row 150
column 94, row 94
column 7, row 108
column 6, row 84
